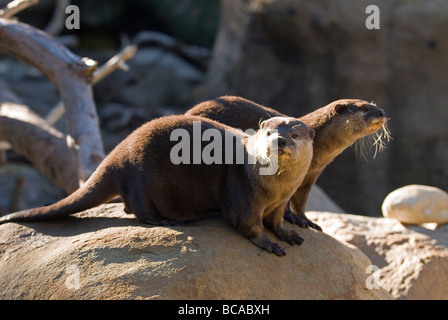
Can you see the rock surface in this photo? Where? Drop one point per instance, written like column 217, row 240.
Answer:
column 104, row 254
column 417, row 204
column 412, row 260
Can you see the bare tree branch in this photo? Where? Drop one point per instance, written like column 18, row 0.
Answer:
column 57, row 22
column 32, row 137
column 15, row 7
column 72, row 75
column 116, row 62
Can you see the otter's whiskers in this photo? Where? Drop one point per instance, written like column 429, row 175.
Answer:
column 377, row 140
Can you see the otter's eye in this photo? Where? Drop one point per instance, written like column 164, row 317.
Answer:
column 294, row 136
column 364, row 109
column 339, row 108
column 268, row 133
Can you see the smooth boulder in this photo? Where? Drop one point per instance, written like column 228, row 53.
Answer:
column 417, row 204
column 103, row 253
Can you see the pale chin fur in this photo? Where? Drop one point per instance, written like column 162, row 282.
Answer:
column 264, row 155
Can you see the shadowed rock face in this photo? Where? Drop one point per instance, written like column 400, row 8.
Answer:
column 104, row 254
column 412, row 261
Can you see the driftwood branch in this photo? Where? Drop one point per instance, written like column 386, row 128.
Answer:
column 15, row 7
column 57, row 22
column 72, row 76
column 6, row 96
column 116, row 62
column 31, row 136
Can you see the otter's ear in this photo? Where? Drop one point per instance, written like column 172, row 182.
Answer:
column 339, row 108
column 262, row 124
column 312, row 133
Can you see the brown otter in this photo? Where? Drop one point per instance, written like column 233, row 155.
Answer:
column 337, row 125
column 164, row 182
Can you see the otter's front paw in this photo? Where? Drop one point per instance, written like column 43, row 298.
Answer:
column 267, row 245
column 302, row 221
column 289, row 236
column 275, row 248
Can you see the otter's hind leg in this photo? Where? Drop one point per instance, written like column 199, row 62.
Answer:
column 127, row 206
column 145, row 210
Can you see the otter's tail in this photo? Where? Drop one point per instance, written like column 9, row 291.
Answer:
column 94, row 192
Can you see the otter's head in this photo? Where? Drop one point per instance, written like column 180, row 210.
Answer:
column 359, row 120
column 358, row 117
column 282, row 140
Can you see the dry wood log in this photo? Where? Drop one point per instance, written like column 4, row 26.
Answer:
column 31, row 136
column 72, row 76
column 118, row 61
column 16, row 6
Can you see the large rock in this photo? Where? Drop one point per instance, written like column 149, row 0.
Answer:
column 412, row 261
column 299, row 55
column 416, row 204
column 104, row 254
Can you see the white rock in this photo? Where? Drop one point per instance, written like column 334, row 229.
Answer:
column 417, row 204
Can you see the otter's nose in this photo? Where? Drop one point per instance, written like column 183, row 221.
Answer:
column 381, row 113
column 281, row 142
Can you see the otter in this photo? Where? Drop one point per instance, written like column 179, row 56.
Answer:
column 337, row 126
column 163, row 184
